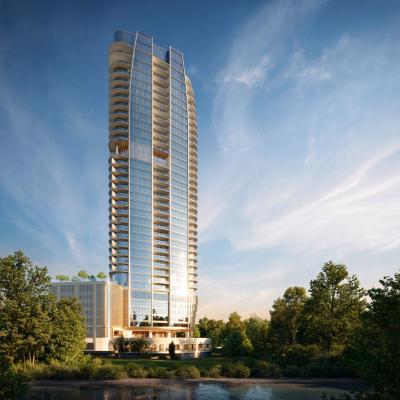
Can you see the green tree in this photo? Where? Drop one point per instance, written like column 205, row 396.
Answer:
column 33, row 326
column 334, row 307
column 234, row 322
column 375, row 351
column 62, row 278
column 171, row 350
column 213, row 329
column 24, row 299
column 257, row 331
column 83, row 274
column 237, row 343
column 101, row 276
column 68, row 333
column 286, row 317
column 196, row 332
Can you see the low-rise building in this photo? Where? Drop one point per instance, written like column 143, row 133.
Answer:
column 105, row 307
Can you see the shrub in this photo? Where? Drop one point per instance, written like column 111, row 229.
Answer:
column 11, row 385
column 187, row 372
column 29, row 372
column 235, row 370
column 263, row 369
column 329, row 368
column 242, row 371
column 156, row 372
column 215, row 371
column 136, row 371
column 292, row 371
column 300, row 355
column 63, row 372
column 170, row 374
column 111, row 372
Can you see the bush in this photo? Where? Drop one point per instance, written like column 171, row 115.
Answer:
column 63, row 372
column 329, row 368
column 236, row 370
column 242, row 371
column 187, row 372
column 156, row 372
column 111, row 372
column 292, row 371
column 170, row 374
column 215, row 371
column 263, row 369
column 136, row 371
column 300, row 355
column 11, row 385
column 29, row 372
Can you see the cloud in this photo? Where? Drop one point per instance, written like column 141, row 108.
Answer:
column 308, row 160
column 53, row 186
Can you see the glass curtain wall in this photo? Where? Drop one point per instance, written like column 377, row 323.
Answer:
column 140, row 171
column 179, row 193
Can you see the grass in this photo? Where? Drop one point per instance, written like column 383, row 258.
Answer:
column 206, row 362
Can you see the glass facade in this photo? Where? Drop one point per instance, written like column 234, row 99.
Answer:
column 153, row 181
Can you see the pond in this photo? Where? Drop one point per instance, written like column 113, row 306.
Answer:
column 182, row 391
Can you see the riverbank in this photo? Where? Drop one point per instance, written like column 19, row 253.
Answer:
column 331, row 383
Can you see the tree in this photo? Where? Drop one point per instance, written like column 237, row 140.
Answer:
column 237, row 343
column 334, row 307
column 196, row 332
column 102, row 276
column 62, row 278
column 286, row 317
column 68, row 334
column 24, row 299
column 212, row 329
column 234, row 322
column 257, row 331
column 83, row 274
column 375, row 351
column 171, row 350
column 33, row 325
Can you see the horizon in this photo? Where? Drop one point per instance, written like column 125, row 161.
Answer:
column 299, row 149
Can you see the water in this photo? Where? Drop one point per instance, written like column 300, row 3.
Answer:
column 180, row 391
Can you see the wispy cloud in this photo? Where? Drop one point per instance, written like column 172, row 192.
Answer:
column 308, row 158
column 53, row 195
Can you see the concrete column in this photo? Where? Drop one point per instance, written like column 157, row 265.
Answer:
column 150, row 334
column 168, row 334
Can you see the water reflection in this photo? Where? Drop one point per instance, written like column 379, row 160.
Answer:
column 178, row 391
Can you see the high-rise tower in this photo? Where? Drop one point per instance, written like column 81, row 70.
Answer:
column 153, row 182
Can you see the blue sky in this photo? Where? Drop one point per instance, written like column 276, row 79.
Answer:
column 298, row 106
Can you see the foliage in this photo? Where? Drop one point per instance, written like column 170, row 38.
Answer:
column 24, row 317
column 334, row 307
column 67, row 341
column 286, row 317
column 215, row 371
column 171, row 350
column 187, row 372
column 83, row 274
column 136, row 345
column 237, row 343
column 11, row 385
column 375, row 350
column 101, row 276
column 33, row 325
column 62, row 278
column 235, row 370
column 212, row 329
column 264, row 369
column 257, row 331
column 136, row 371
